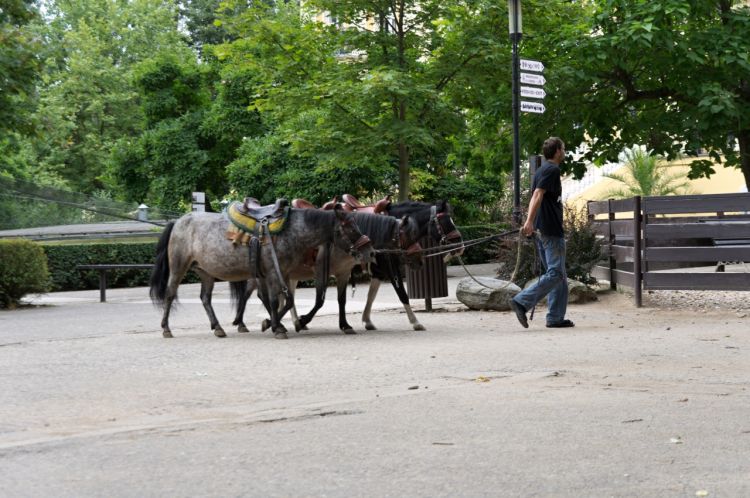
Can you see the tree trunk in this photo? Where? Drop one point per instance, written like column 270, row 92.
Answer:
column 403, row 172
column 744, row 139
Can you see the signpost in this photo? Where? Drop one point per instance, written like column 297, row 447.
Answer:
column 535, row 107
column 529, row 65
column 532, row 79
column 532, row 92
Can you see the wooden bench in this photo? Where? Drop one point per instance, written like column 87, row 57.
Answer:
column 104, row 268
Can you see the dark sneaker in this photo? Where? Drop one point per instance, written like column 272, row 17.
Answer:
column 559, row 325
column 520, row 312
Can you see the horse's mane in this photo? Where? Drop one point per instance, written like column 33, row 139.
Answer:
column 420, row 210
column 318, row 217
column 380, row 229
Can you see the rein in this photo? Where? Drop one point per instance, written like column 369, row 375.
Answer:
column 446, row 248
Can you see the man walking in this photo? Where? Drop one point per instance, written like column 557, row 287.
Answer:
column 546, row 215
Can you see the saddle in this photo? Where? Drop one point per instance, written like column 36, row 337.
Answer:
column 252, row 208
column 246, row 218
column 352, row 204
column 305, row 204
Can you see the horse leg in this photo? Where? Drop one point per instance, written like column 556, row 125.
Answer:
column 321, row 285
column 371, row 293
column 293, row 311
column 207, row 289
column 263, row 295
column 279, row 331
column 177, row 271
column 343, row 324
column 398, row 285
column 239, row 318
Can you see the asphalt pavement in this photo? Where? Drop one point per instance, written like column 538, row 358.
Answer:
column 631, row 402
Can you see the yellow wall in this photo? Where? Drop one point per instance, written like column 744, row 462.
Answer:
column 725, row 181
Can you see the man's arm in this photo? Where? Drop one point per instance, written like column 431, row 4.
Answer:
column 534, row 203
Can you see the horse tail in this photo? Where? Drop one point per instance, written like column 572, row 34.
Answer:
column 237, row 292
column 160, row 273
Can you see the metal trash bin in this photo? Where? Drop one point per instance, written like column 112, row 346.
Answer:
column 431, row 280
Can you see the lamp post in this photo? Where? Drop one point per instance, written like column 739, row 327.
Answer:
column 516, row 31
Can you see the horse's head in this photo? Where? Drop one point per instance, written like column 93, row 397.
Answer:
column 408, row 241
column 348, row 237
column 443, row 229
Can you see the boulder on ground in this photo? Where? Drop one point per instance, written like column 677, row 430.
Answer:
column 578, row 292
column 489, row 294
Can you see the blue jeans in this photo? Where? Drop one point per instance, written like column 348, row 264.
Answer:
column 554, row 282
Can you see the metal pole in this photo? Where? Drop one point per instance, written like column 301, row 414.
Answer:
column 515, row 37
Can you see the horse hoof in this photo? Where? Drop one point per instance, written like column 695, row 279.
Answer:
column 370, row 326
column 167, row 334
column 265, row 325
column 280, row 335
column 219, row 332
column 298, row 326
column 350, row 331
column 242, row 329
column 419, row 326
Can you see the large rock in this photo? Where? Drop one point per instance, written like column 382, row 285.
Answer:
column 490, row 294
column 578, row 292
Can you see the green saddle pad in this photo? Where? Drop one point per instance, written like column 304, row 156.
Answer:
column 251, row 225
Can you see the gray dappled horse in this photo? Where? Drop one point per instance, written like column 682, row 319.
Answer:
column 198, row 241
column 432, row 220
column 384, row 232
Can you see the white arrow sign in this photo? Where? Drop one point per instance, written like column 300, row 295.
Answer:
column 529, row 65
column 532, row 79
column 533, row 92
column 534, row 107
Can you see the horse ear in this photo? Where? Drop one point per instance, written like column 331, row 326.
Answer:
column 405, row 220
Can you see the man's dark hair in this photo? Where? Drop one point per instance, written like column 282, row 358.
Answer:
column 552, row 145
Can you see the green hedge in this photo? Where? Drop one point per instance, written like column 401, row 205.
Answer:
column 63, row 260
column 23, row 270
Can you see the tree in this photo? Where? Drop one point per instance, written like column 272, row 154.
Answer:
column 194, row 126
column 375, row 83
column 19, row 65
column 645, row 175
column 674, row 75
column 87, row 95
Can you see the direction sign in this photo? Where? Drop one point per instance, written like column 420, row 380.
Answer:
column 532, row 79
column 529, row 65
column 533, row 92
column 534, row 107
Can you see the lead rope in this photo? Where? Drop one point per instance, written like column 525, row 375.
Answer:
column 284, row 287
column 515, row 270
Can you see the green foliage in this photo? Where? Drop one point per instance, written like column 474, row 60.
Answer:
column 23, row 270
column 63, row 259
column 583, row 252
column 391, row 97
column 267, row 169
column 669, row 74
column 584, row 249
column 19, row 66
column 646, row 176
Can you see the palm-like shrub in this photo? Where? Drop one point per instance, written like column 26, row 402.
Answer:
column 645, row 175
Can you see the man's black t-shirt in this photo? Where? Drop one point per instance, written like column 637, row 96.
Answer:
column 549, row 219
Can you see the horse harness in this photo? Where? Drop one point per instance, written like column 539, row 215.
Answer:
column 435, row 219
column 255, row 225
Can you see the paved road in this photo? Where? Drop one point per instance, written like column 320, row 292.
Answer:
column 629, row 403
